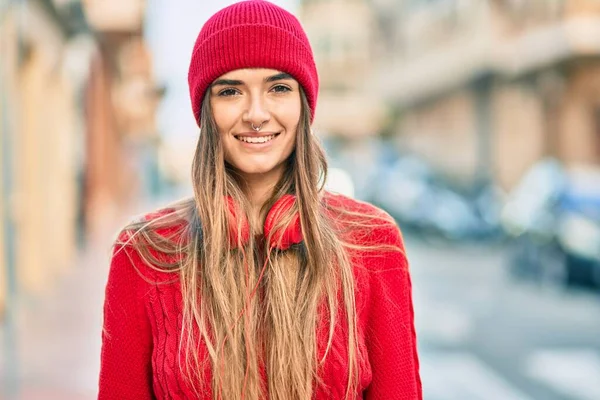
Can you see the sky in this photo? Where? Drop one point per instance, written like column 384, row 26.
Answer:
column 171, row 29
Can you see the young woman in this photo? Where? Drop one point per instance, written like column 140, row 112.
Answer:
column 263, row 284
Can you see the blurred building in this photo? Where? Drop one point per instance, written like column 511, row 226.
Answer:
column 77, row 127
column 343, row 34
column 38, row 192
column 121, row 100
column 483, row 89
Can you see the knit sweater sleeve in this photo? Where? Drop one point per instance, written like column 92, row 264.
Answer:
column 126, row 369
column 391, row 338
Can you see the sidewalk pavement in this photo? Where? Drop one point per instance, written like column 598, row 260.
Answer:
column 58, row 333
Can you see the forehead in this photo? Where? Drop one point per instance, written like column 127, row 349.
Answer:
column 250, row 74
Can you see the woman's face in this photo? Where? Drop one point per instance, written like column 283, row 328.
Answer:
column 264, row 98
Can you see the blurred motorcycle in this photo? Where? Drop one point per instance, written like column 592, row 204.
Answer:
column 553, row 219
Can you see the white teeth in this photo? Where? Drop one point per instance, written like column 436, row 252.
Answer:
column 255, row 139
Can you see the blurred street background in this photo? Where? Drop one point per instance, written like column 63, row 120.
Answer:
column 475, row 123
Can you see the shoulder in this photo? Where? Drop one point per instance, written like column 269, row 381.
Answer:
column 151, row 241
column 164, row 222
column 365, row 221
column 336, row 200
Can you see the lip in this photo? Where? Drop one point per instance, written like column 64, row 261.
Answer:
column 254, row 134
column 257, row 146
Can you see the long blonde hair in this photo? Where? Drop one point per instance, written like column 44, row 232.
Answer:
column 251, row 306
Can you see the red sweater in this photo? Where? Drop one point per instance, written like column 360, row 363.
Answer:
column 142, row 321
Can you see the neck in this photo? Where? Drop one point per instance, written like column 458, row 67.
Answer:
column 258, row 189
column 259, row 194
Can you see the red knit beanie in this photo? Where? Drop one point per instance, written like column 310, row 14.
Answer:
column 251, row 34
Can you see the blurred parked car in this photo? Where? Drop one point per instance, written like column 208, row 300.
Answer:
column 424, row 202
column 553, row 218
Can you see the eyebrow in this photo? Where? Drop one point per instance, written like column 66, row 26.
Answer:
column 235, row 82
column 278, row 77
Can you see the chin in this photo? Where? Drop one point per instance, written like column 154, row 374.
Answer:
column 254, row 169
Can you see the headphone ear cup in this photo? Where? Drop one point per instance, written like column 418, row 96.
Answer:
column 232, row 224
column 286, row 236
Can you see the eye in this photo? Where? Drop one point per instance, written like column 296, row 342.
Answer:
column 281, row 89
column 228, row 92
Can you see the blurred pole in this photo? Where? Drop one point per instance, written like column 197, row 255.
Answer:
column 483, row 117
column 10, row 342
column 550, row 86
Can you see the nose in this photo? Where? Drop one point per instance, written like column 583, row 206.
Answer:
column 257, row 112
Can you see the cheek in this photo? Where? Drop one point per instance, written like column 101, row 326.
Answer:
column 224, row 116
column 290, row 115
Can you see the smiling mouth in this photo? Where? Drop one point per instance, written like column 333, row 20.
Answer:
column 256, row 139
